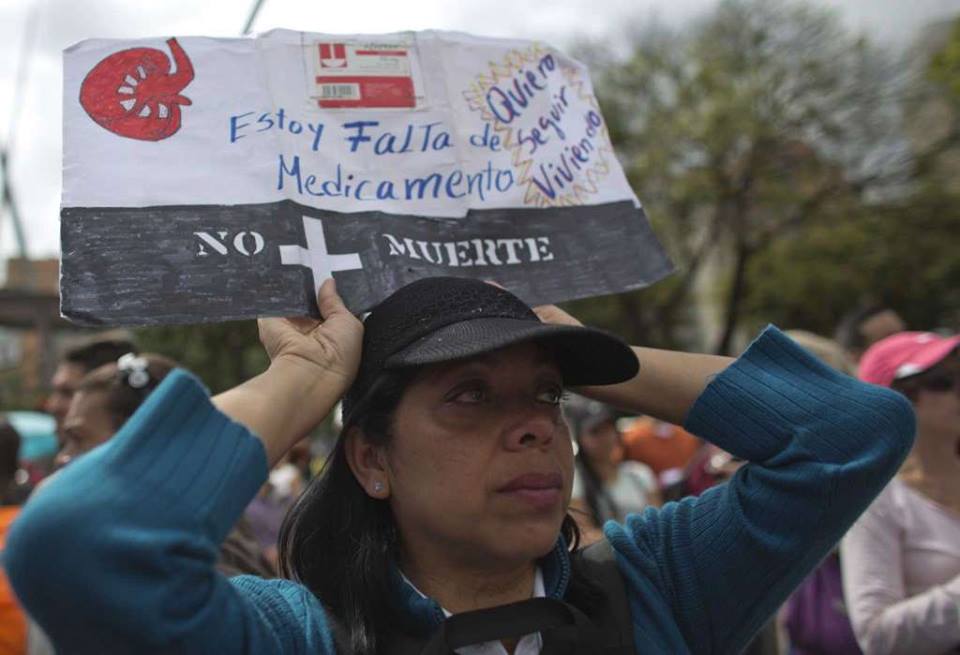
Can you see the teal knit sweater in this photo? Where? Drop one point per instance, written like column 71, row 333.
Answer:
column 117, row 554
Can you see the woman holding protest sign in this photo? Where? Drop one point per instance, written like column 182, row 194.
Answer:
column 448, row 490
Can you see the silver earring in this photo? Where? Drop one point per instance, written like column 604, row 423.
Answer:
column 377, row 487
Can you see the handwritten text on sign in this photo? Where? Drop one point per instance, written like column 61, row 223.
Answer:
column 558, row 150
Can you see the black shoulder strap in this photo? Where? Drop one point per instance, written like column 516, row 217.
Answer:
column 598, row 563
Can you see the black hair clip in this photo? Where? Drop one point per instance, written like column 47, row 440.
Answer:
column 134, row 371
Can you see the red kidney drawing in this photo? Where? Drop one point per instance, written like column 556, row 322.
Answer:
column 134, row 94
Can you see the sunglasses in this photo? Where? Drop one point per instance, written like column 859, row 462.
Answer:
column 939, row 382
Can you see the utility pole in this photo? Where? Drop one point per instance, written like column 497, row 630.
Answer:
column 252, row 17
column 8, row 204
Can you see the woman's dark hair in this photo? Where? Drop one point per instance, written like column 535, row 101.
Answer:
column 341, row 543
column 594, row 490
column 127, row 386
column 98, row 353
column 9, row 461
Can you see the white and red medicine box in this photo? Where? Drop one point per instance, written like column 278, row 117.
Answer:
column 354, row 74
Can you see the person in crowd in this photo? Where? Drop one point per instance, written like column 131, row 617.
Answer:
column 13, row 622
column 666, row 448
column 287, row 480
column 104, row 400
column 265, row 513
column 901, row 561
column 264, row 517
column 605, row 486
column 301, row 458
column 866, row 325
column 815, row 617
column 440, row 520
column 76, row 363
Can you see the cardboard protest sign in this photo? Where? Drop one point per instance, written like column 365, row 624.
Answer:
column 215, row 179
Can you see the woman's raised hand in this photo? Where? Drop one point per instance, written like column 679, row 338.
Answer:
column 331, row 345
column 312, row 364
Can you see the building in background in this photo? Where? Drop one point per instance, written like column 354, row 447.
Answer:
column 32, row 334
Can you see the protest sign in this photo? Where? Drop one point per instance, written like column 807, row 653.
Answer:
column 215, row 179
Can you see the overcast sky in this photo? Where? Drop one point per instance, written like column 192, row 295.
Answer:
column 60, row 23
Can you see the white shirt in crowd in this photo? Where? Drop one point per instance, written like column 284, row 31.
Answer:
column 901, row 575
column 630, row 490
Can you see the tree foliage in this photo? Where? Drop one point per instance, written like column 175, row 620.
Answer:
column 223, row 355
column 944, row 67
column 752, row 126
column 900, row 253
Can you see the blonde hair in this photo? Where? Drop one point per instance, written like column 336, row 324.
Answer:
column 828, row 350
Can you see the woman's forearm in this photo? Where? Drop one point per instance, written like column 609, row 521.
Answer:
column 282, row 404
column 667, row 385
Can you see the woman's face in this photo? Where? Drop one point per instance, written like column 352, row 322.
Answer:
column 87, row 424
column 480, row 463
column 601, row 442
column 936, row 399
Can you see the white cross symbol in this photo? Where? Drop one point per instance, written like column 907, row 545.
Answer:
column 315, row 255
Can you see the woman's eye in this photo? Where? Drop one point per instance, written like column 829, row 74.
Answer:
column 552, row 396
column 470, row 396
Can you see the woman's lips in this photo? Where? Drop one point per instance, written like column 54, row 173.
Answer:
column 538, row 490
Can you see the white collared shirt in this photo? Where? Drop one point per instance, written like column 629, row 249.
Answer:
column 530, row 644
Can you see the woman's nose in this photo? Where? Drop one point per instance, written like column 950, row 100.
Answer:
column 534, row 430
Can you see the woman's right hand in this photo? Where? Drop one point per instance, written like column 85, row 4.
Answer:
column 312, row 364
column 331, row 345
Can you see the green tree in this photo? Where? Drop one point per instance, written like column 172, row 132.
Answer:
column 900, row 255
column 944, row 67
column 750, row 126
column 902, row 252
column 223, row 355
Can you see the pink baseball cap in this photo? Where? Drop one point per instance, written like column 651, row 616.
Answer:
column 904, row 354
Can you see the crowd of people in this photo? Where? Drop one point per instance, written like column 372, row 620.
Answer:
column 774, row 503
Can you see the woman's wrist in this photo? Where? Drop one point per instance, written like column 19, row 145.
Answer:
column 312, row 389
column 284, row 403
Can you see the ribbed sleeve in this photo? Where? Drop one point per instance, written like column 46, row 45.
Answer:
column 116, row 554
column 214, row 474
column 777, row 392
column 820, row 446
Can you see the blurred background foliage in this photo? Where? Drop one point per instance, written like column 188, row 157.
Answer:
column 792, row 170
column 223, row 354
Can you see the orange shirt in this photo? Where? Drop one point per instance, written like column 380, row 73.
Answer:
column 659, row 445
column 13, row 622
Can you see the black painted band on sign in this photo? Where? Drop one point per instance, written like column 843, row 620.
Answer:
column 193, row 264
